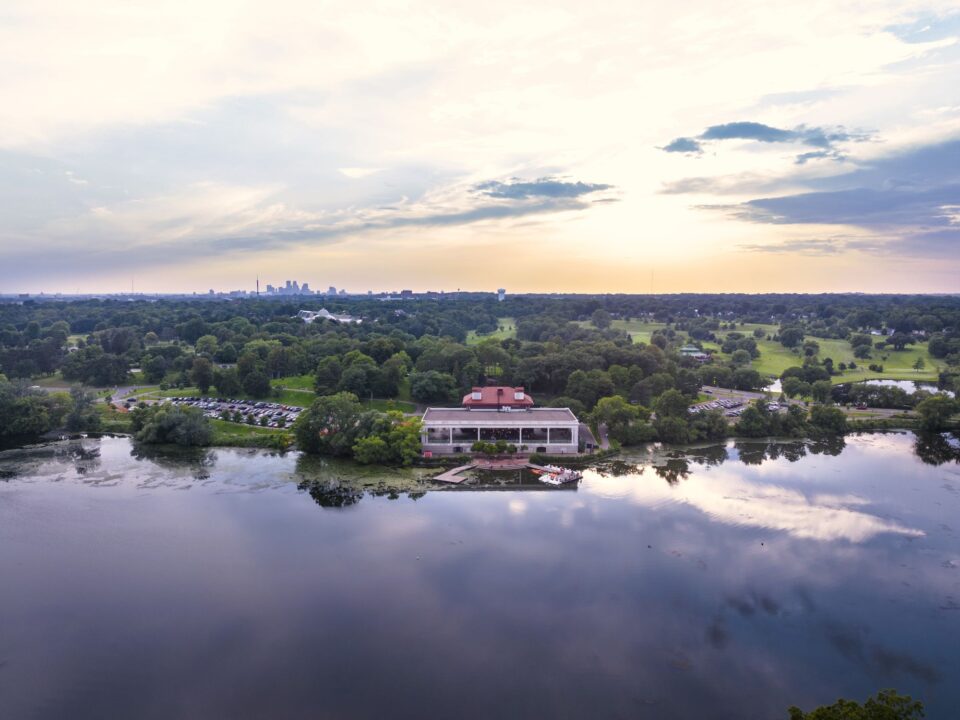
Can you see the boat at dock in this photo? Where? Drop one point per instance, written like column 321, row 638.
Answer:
column 555, row 475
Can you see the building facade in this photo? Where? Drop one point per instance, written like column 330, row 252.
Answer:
column 453, row 431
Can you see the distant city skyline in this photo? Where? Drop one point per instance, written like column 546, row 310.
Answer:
column 552, row 147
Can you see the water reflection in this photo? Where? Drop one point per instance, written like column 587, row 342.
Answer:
column 937, row 448
column 195, row 460
column 666, row 579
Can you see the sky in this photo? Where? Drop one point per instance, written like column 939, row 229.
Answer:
column 542, row 147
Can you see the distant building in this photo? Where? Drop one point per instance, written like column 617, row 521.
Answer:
column 406, row 293
column 309, row 316
column 271, row 289
column 692, row 351
column 500, row 413
column 331, row 290
column 305, row 289
column 501, row 294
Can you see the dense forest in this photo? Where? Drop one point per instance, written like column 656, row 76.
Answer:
column 616, row 359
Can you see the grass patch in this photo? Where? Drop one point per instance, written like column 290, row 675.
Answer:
column 240, row 435
column 507, row 329
column 385, row 405
column 774, row 359
column 297, row 382
column 113, row 421
column 638, row 330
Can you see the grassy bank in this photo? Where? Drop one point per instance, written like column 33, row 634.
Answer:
column 507, row 328
column 638, row 330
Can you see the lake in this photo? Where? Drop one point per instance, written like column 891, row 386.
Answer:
column 727, row 581
column 908, row 386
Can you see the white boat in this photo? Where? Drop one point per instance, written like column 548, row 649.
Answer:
column 554, row 475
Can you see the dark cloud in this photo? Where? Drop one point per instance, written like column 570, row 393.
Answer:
column 802, row 158
column 747, row 131
column 683, row 145
column 818, row 137
column 909, row 202
column 547, row 187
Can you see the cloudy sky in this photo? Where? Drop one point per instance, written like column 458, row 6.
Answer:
column 592, row 147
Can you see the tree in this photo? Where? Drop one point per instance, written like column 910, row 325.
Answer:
column 919, row 364
column 740, row 358
column 329, row 425
column 227, row 382
column 154, row 368
column 791, row 336
column 588, row 387
column 206, row 345
column 671, row 403
column 820, row 390
column 327, row 376
column 887, row 705
column 171, row 424
column 432, row 386
column 648, row 389
column 614, row 412
column 672, row 413
column 794, row 387
column 899, row 340
column 356, row 379
column 256, row 384
column 201, row 374
column 83, row 415
column 26, row 412
column 371, row 450
column 935, row 412
column 748, row 379
column 754, row 420
column 600, row 319
column 829, row 420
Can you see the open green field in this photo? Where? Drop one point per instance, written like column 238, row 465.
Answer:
column 508, row 329
column 774, row 359
column 297, row 382
column 638, row 330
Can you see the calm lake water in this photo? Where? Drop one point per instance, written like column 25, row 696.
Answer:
column 728, row 582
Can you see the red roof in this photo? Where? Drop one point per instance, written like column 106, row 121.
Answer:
column 497, row 397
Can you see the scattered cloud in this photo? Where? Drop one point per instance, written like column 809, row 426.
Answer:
column 819, row 137
column 547, row 187
column 207, row 219
column 907, row 202
column 683, row 145
column 928, row 27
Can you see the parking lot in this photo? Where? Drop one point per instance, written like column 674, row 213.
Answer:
column 265, row 414
column 732, row 407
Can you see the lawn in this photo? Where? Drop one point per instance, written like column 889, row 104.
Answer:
column 507, row 329
column 382, row 405
column 241, row 435
column 297, row 382
column 638, row 330
column 774, row 359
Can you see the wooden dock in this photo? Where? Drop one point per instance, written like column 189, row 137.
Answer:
column 453, row 476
